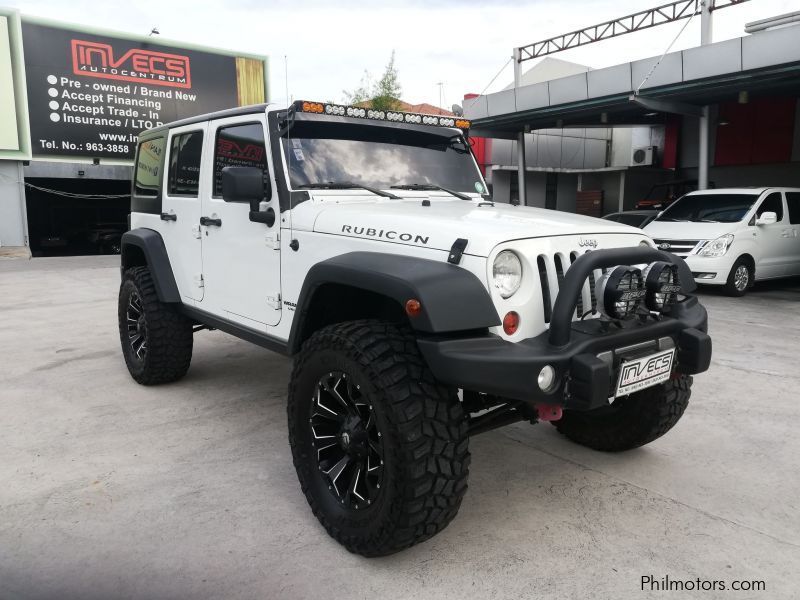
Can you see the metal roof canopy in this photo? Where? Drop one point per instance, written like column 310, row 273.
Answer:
column 764, row 63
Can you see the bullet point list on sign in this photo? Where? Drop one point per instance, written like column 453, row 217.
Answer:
column 53, row 105
column 55, row 117
column 52, row 79
column 53, row 92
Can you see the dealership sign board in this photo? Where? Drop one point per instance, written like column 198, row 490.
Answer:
column 91, row 94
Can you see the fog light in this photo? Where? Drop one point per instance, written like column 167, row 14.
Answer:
column 661, row 282
column 546, row 379
column 511, row 323
column 619, row 292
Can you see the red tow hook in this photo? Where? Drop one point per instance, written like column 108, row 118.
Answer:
column 549, row 412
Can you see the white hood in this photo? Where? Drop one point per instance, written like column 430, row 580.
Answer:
column 437, row 226
column 680, row 230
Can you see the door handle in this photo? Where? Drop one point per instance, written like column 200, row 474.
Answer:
column 210, row 221
column 169, row 217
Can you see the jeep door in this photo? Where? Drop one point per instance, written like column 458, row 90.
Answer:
column 180, row 207
column 241, row 258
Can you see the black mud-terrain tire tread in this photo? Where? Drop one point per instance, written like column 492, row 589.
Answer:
column 428, row 431
column 635, row 420
column 169, row 333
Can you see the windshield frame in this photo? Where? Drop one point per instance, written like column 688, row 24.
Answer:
column 444, row 132
column 756, row 196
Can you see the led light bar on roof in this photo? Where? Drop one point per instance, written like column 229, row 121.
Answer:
column 395, row 116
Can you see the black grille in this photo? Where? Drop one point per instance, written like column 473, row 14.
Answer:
column 547, row 302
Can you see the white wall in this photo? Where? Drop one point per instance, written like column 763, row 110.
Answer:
column 13, row 225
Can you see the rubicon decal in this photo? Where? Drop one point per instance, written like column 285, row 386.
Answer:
column 387, row 234
column 94, row 59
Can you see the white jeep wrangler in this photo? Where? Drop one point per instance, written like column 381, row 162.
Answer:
column 418, row 311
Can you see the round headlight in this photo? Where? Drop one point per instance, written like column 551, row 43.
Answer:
column 661, row 282
column 619, row 292
column 507, row 273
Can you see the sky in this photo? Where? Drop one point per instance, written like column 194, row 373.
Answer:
column 328, row 45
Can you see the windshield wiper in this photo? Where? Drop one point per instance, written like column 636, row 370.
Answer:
column 429, row 187
column 346, row 185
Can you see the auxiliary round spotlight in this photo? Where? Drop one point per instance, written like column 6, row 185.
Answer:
column 661, row 283
column 619, row 292
column 546, row 378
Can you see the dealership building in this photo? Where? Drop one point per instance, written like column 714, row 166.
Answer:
column 598, row 140
column 74, row 100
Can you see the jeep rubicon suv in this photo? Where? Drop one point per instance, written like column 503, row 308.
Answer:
column 418, row 312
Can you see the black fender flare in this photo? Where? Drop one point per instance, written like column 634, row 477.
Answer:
column 152, row 248
column 452, row 298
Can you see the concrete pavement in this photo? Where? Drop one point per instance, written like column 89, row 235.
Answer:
column 113, row 490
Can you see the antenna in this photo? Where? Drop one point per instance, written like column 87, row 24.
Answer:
column 289, row 151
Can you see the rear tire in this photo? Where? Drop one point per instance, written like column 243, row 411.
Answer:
column 368, row 380
column 631, row 421
column 740, row 278
column 156, row 338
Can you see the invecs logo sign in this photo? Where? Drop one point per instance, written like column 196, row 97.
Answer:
column 94, row 59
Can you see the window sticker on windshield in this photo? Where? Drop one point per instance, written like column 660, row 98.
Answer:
column 296, row 143
column 298, row 154
column 479, row 187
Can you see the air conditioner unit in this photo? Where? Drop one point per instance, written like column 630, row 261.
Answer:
column 643, row 156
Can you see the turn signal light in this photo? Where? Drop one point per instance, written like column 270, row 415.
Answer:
column 313, row 107
column 413, row 307
column 462, row 123
column 511, row 323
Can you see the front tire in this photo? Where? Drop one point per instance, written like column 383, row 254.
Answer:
column 156, row 339
column 380, row 448
column 740, row 278
column 631, row 421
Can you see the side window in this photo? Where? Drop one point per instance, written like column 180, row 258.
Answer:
column 793, row 200
column 149, row 159
column 772, row 203
column 238, row 146
column 184, row 164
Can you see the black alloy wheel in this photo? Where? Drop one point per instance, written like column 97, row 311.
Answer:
column 136, row 327
column 347, row 440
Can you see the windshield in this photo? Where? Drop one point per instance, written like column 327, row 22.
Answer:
column 709, row 208
column 378, row 157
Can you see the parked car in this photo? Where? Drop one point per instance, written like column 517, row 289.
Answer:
column 661, row 195
column 634, row 218
column 733, row 237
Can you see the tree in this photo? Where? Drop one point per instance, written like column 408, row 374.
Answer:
column 383, row 94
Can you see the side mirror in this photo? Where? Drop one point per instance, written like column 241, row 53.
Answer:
column 243, row 184
column 767, row 218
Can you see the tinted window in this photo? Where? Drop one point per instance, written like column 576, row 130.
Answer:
column 772, row 203
column 149, row 159
column 709, row 208
column 793, row 200
column 379, row 157
column 184, row 164
column 238, row 146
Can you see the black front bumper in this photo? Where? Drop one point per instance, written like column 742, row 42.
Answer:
column 489, row 364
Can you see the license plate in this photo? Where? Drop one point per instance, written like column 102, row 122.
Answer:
column 640, row 373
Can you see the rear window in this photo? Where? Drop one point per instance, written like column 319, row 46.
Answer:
column 793, row 200
column 149, row 161
column 184, row 164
